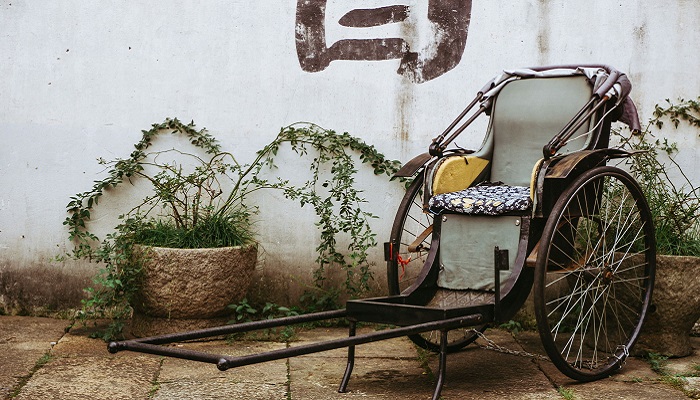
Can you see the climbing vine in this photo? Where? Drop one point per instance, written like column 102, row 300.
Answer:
column 192, row 205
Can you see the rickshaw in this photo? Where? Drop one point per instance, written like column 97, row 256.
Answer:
column 542, row 207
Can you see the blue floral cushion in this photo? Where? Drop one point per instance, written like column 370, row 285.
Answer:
column 488, row 199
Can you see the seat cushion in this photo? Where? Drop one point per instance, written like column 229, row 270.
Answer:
column 490, row 199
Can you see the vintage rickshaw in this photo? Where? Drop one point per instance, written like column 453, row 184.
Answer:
column 541, row 207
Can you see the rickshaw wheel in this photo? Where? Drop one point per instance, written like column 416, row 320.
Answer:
column 595, row 273
column 402, row 270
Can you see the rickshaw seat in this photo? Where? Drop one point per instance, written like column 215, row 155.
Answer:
column 525, row 116
column 484, row 199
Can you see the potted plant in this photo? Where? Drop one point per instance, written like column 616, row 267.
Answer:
column 675, row 205
column 196, row 210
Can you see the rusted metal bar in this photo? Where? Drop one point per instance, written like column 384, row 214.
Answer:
column 237, row 328
column 442, row 373
column 231, row 362
column 351, row 360
column 224, row 362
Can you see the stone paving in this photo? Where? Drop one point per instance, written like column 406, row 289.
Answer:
column 41, row 359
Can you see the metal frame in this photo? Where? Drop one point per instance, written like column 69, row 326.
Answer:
column 154, row 345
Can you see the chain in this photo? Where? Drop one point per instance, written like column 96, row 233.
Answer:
column 491, row 345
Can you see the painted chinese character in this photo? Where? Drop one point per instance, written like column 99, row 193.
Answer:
column 448, row 19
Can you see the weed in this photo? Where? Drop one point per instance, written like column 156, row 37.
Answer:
column 657, row 362
column 45, row 359
column 567, row 394
column 245, row 312
column 155, row 384
column 424, row 357
column 512, row 326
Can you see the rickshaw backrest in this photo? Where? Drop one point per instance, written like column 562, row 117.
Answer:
column 526, row 114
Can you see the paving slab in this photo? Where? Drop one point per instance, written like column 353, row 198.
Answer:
column 396, row 369
column 388, row 369
column 478, row 373
column 23, row 342
column 184, row 379
column 80, row 368
column 634, row 381
column 317, row 377
column 92, row 378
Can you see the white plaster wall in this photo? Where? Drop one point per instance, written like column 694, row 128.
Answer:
column 80, row 79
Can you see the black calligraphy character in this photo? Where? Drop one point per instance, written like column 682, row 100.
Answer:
column 450, row 20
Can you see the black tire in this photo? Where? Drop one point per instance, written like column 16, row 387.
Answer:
column 595, row 273
column 404, row 266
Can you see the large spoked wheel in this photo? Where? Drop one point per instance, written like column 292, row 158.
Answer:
column 410, row 241
column 595, row 273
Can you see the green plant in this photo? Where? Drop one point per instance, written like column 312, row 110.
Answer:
column 319, row 298
column 512, row 326
column 22, row 381
column 657, row 362
column 243, row 311
column 675, row 206
column 200, row 202
column 566, row 393
column 338, row 205
column 424, row 358
column 195, row 202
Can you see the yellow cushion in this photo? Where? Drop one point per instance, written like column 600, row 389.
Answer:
column 457, row 173
column 533, row 178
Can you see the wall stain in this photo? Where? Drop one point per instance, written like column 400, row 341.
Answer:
column 404, row 108
column 544, row 33
column 40, row 290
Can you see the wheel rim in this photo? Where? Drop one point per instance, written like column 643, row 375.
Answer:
column 410, row 223
column 595, row 274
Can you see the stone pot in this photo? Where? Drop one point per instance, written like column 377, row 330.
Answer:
column 186, row 289
column 676, row 298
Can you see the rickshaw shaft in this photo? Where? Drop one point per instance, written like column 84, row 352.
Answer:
column 225, row 362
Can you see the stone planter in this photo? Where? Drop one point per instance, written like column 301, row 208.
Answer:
column 186, row 289
column 677, row 299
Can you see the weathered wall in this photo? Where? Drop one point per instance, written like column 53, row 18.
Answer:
column 79, row 80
